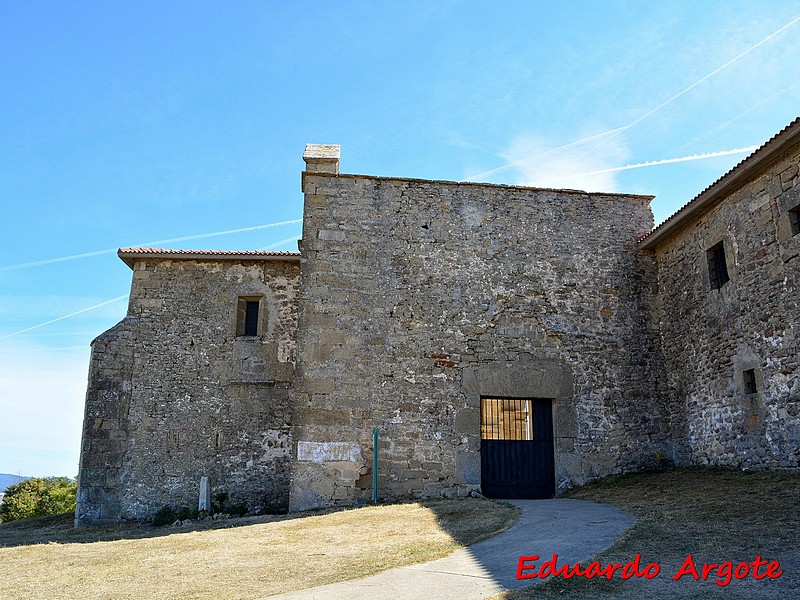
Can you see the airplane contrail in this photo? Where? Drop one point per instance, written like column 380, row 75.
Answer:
column 712, row 73
column 118, row 298
column 50, row 261
column 77, row 312
column 667, row 161
column 644, row 116
column 281, row 242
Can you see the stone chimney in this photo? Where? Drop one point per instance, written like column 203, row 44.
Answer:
column 322, row 158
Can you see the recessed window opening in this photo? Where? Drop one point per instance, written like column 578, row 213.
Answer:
column 506, row 419
column 794, row 219
column 717, row 266
column 749, row 377
column 247, row 316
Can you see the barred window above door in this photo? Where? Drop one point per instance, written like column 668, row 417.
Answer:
column 506, row 419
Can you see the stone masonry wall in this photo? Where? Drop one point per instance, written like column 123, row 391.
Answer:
column 711, row 336
column 105, row 424
column 418, row 297
column 174, row 395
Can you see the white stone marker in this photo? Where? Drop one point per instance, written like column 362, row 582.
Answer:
column 205, row 495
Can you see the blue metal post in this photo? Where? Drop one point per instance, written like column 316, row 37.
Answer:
column 375, row 465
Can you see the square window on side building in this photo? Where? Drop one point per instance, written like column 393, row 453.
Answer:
column 794, row 220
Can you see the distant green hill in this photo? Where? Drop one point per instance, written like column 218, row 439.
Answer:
column 6, row 479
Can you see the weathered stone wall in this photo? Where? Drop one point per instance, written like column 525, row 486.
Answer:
column 711, row 336
column 418, row 297
column 174, row 395
column 105, row 424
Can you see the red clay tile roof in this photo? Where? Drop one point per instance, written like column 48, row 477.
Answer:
column 770, row 150
column 129, row 254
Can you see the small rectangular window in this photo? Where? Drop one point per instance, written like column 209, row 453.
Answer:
column 247, row 316
column 717, row 266
column 794, row 219
column 749, row 378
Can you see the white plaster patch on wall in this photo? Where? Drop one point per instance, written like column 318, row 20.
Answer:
column 322, row 452
column 331, row 234
column 285, row 352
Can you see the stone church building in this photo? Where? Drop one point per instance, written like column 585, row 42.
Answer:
column 503, row 339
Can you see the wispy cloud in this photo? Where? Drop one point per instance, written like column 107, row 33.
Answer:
column 763, row 100
column 541, row 153
column 456, row 138
column 524, row 162
column 589, row 167
column 708, row 76
column 199, row 236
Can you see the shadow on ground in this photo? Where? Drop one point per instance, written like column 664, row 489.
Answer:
column 59, row 529
column 714, row 515
column 572, row 529
column 460, row 520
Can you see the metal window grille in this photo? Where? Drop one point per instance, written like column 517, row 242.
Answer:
column 506, row 419
column 717, row 267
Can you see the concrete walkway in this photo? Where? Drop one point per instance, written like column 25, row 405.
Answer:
column 573, row 529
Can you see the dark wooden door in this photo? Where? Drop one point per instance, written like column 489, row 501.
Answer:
column 517, row 458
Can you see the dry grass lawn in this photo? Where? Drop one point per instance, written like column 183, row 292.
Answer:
column 247, row 558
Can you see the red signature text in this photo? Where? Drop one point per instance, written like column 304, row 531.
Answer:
column 594, row 569
column 723, row 573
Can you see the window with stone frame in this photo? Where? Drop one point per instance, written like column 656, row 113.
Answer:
column 717, row 266
column 247, row 309
column 794, row 219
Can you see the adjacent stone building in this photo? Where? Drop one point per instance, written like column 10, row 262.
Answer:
column 181, row 389
column 508, row 340
column 728, row 312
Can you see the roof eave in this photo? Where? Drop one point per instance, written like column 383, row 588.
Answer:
column 130, row 257
column 734, row 179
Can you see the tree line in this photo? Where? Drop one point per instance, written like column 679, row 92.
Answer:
column 38, row 497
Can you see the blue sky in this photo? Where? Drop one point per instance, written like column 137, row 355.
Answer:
column 130, row 123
